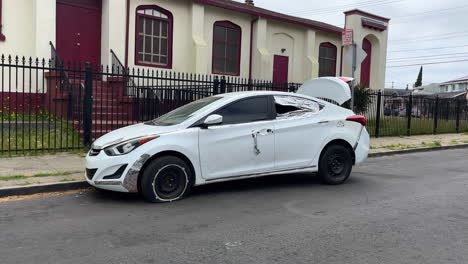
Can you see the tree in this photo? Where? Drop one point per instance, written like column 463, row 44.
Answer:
column 419, row 79
column 362, row 99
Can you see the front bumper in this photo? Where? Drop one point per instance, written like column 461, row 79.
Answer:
column 100, row 166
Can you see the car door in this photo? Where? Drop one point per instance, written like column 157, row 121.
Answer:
column 300, row 128
column 243, row 144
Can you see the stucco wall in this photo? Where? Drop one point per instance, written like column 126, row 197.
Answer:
column 379, row 50
column 193, row 37
column 18, row 28
column 182, row 48
column 213, row 14
column 113, row 30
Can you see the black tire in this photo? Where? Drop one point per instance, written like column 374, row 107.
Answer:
column 166, row 179
column 335, row 165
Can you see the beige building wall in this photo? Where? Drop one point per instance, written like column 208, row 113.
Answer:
column 378, row 40
column 193, row 37
column 182, row 48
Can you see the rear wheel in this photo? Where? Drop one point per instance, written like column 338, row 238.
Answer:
column 166, row 179
column 335, row 165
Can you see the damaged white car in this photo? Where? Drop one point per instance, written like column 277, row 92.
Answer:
column 233, row 136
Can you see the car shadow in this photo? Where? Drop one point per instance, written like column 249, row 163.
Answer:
column 266, row 183
column 261, row 184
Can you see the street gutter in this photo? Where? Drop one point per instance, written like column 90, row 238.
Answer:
column 75, row 185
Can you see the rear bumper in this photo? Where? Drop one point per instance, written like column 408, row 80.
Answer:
column 363, row 146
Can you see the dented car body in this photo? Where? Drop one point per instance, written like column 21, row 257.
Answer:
column 225, row 137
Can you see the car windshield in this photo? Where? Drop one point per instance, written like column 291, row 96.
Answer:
column 183, row 113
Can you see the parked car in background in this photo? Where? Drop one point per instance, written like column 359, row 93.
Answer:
column 233, row 136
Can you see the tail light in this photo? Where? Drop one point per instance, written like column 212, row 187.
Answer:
column 357, row 118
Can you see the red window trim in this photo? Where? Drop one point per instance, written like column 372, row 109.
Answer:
column 227, row 24
column 329, row 45
column 170, row 21
column 2, row 37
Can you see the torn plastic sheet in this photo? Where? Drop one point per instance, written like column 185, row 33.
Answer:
column 306, row 107
column 302, row 103
column 295, row 114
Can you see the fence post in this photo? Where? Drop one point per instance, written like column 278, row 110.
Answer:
column 223, row 85
column 377, row 117
column 216, row 86
column 436, row 113
column 70, row 103
column 88, row 106
column 457, row 124
column 409, row 111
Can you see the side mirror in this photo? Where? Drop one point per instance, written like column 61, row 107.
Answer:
column 213, row 120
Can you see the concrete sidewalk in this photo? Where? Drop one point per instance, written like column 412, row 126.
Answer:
column 63, row 167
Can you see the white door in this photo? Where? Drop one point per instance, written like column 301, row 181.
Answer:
column 300, row 129
column 243, row 144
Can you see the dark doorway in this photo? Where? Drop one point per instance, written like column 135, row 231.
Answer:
column 366, row 63
column 78, row 30
column 280, row 69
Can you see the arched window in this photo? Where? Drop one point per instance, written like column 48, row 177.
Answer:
column 153, row 37
column 327, row 59
column 226, row 48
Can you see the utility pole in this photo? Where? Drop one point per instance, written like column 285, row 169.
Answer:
column 353, row 70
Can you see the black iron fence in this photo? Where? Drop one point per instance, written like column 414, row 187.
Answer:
column 49, row 106
column 389, row 114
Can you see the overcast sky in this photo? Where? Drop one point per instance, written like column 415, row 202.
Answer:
column 430, row 30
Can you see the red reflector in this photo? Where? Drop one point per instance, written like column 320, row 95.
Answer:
column 357, row 118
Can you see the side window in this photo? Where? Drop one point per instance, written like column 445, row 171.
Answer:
column 288, row 107
column 246, row 110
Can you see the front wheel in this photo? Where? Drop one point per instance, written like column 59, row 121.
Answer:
column 335, row 164
column 166, row 179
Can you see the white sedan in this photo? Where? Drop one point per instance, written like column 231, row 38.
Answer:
column 232, row 136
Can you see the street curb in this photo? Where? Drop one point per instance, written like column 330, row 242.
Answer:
column 409, row 151
column 66, row 186
column 43, row 188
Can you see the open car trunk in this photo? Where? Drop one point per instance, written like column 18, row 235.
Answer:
column 332, row 88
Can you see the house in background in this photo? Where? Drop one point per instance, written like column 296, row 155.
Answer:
column 196, row 36
column 457, row 88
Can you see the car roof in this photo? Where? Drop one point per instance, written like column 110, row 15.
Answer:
column 239, row 95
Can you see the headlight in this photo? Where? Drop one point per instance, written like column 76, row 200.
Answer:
column 127, row 146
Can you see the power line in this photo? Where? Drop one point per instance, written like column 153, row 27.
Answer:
column 424, row 49
column 429, row 56
column 429, row 59
column 437, row 11
column 434, row 38
column 427, row 63
column 343, row 7
column 431, row 36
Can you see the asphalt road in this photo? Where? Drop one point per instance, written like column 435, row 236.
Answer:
column 402, row 209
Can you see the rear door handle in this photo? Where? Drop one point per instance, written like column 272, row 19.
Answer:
column 264, row 131
column 323, row 122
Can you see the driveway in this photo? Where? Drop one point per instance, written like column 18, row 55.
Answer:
column 402, row 209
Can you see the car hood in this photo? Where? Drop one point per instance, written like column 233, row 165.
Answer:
column 129, row 132
column 333, row 88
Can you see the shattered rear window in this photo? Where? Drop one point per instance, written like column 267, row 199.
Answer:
column 295, row 107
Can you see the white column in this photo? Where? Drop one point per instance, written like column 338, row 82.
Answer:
column 262, row 61
column 310, row 61
column 200, row 58
column 44, row 13
column 113, row 28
